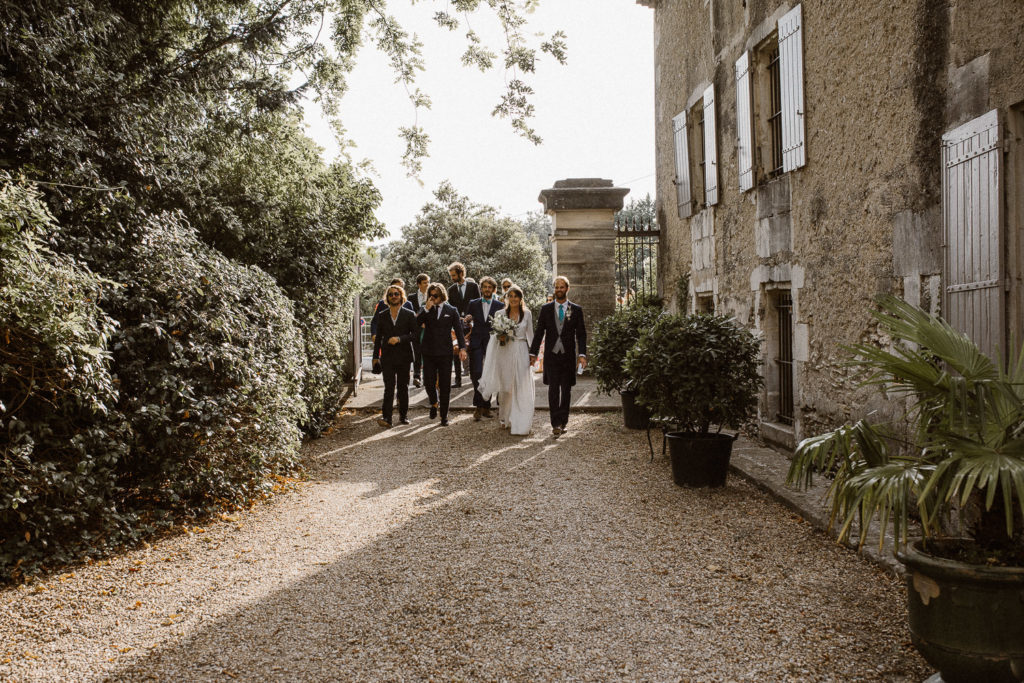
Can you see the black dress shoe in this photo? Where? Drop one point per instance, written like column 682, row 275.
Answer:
column 403, row 420
column 444, row 421
column 433, row 411
column 417, row 383
column 456, row 385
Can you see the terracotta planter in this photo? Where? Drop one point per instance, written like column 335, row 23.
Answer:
column 966, row 620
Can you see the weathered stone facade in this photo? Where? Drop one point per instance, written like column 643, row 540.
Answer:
column 882, row 82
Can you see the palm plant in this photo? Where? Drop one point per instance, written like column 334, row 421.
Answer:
column 966, row 415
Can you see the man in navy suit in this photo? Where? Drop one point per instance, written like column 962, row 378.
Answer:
column 561, row 327
column 392, row 350
column 462, row 291
column 440, row 320
column 481, row 310
column 418, row 299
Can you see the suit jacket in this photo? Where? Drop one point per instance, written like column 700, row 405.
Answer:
column 459, row 301
column 437, row 334
column 574, row 332
column 382, row 306
column 404, row 327
column 481, row 332
column 414, row 301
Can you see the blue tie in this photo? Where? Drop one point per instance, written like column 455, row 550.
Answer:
column 561, row 312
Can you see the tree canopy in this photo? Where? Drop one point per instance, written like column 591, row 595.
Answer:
column 454, row 228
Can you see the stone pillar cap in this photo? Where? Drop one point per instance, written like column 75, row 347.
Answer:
column 573, row 194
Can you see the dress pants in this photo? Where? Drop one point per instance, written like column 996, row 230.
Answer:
column 395, row 373
column 417, row 359
column 437, row 377
column 476, row 369
column 560, row 371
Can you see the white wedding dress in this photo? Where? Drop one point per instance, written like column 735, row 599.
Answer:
column 507, row 374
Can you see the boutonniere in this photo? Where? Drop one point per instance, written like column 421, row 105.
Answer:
column 568, row 312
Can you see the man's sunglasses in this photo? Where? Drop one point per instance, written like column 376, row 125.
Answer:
column 394, row 294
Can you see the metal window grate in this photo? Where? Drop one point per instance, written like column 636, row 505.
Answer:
column 774, row 114
column 784, row 361
column 636, row 259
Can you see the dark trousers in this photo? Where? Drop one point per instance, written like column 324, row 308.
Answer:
column 561, row 371
column 417, row 359
column 437, row 377
column 395, row 373
column 458, row 369
column 476, row 370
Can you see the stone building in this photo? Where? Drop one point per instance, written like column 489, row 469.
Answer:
column 813, row 155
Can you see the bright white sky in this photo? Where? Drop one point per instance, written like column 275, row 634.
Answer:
column 595, row 114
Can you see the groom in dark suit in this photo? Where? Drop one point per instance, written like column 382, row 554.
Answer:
column 561, row 328
column 481, row 310
column 462, row 291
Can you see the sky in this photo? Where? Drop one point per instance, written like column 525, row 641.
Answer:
column 595, row 114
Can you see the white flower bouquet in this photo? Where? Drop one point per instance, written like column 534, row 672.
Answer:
column 502, row 326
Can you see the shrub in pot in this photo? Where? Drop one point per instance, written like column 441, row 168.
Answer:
column 694, row 372
column 960, row 475
column 612, row 338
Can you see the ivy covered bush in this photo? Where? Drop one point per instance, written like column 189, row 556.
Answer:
column 210, row 364
column 63, row 440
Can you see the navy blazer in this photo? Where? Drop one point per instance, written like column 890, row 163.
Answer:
column 382, row 305
column 404, row 327
column 460, row 302
column 574, row 331
column 481, row 331
column 437, row 334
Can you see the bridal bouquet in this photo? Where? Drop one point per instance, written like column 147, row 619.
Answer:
column 503, row 327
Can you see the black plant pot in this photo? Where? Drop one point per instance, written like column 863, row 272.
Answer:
column 699, row 459
column 966, row 620
column 635, row 415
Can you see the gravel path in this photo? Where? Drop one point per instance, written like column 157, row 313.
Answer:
column 422, row 553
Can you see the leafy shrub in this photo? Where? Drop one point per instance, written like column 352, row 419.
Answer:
column 62, row 439
column 613, row 337
column 697, row 370
column 211, row 366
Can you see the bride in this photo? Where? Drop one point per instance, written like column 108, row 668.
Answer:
column 507, row 371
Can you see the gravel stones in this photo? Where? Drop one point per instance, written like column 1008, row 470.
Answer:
column 468, row 554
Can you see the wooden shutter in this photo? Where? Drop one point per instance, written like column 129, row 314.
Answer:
column 744, row 124
column 710, row 150
column 683, row 202
column 791, row 82
column 975, row 300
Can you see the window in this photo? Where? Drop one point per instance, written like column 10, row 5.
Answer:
column 696, row 155
column 705, row 303
column 770, row 104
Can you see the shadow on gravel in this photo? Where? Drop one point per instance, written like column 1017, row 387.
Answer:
column 510, row 558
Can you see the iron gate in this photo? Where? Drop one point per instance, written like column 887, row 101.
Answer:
column 636, row 259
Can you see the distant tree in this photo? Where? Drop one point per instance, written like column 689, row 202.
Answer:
column 538, row 224
column 454, row 228
column 638, row 210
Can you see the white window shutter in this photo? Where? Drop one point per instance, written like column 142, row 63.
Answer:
column 791, row 81
column 683, row 202
column 710, row 149
column 744, row 125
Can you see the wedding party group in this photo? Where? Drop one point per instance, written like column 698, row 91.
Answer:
column 435, row 329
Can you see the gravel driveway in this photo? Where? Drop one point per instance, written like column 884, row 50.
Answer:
column 422, row 553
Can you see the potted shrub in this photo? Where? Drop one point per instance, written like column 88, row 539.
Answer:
column 694, row 372
column 959, row 475
column 614, row 336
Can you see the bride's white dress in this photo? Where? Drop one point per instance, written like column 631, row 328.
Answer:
column 508, row 375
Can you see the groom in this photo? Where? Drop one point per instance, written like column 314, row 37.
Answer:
column 561, row 327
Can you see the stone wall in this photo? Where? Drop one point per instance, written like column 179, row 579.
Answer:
column 882, row 82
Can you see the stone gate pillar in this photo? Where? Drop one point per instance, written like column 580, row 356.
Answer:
column 582, row 214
